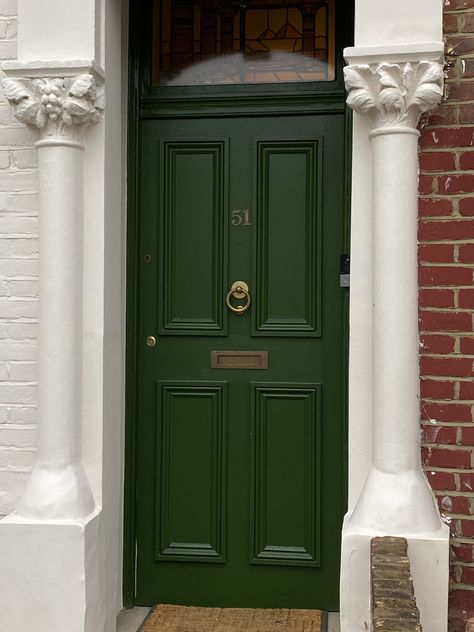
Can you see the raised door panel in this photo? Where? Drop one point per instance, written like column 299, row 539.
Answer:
column 191, row 473
column 286, row 477
column 289, row 193
column 193, row 238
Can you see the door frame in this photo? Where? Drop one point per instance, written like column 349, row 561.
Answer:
column 142, row 103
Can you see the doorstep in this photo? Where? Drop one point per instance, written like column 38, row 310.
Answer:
column 130, row 620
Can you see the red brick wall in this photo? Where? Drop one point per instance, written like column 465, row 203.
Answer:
column 446, row 234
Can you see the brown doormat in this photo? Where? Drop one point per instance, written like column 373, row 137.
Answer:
column 167, row 618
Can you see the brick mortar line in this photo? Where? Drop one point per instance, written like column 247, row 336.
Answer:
column 14, row 448
column 450, row 356
column 463, row 11
column 426, row 263
column 426, row 422
column 20, row 426
column 424, row 151
column 447, row 470
column 450, row 447
column 15, row 468
column 18, row 383
column 436, row 378
column 454, row 310
column 455, row 494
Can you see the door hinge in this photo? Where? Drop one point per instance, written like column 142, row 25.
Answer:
column 345, row 271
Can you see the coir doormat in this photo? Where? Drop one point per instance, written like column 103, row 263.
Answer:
column 168, row 618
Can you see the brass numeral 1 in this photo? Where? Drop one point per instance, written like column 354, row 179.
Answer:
column 241, row 217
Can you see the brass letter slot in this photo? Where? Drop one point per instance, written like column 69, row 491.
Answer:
column 239, row 359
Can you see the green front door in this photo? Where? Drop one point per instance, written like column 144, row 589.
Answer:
column 240, row 401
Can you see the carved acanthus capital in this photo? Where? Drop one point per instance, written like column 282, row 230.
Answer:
column 59, row 107
column 394, row 95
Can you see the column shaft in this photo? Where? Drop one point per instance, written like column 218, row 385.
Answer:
column 60, row 282
column 58, row 487
column 396, row 439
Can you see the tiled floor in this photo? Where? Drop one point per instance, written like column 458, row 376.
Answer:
column 130, row 620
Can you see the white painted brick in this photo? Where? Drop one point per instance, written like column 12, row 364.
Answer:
column 5, row 414
column 19, row 268
column 22, row 371
column 18, row 351
column 18, row 181
column 18, row 225
column 12, row 29
column 11, row 488
column 18, row 247
column 22, row 288
column 8, row 49
column 4, row 159
column 18, row 135
column 17, row 394
column 17, row 436
column 25, row 158
column 23, row 202
column 26, row 415
column 19, row 331
column 12, row 309
column 15, row 460
column 9, row 7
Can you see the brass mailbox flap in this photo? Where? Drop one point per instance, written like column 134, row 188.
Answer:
column 239, row 359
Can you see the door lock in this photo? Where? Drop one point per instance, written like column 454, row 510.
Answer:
column 151, row 341
column 345, row 271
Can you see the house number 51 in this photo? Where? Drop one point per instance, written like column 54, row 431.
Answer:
column 241, row 217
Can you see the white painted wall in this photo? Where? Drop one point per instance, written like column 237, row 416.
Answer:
column 385, row 22
column 18, row 287
column 68, row 30
column 72, row 29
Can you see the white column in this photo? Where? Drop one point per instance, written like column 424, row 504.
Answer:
column 396, row 499
column 51, row 567
column 61, row 109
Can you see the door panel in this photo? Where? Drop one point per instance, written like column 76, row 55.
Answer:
column 288, row 211
column 240, row 472
column 192, row 298
column 285, row 473
column 192, row 419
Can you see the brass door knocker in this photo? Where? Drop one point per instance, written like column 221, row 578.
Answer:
column 239, row 290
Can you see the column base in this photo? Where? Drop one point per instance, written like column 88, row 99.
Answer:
column 49, row 575
column 429, row 560
column 56, row 493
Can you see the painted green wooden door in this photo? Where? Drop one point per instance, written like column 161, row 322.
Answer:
column 240, row 470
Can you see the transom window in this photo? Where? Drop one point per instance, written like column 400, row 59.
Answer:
column 211, row 42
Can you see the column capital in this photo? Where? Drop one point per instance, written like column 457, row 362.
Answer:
column 60, row 107
column 394, row 95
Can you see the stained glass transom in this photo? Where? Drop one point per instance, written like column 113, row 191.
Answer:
column 205, row 42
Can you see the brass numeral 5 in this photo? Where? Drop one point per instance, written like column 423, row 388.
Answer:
column 241, row 217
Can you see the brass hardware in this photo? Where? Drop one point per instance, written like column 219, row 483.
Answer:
column 241, row 217
column 238, row 290
column 239, row 359
column 151, row 341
